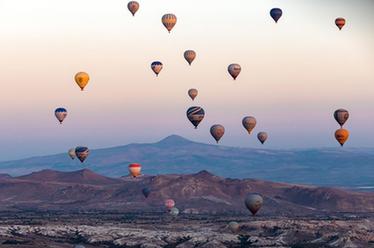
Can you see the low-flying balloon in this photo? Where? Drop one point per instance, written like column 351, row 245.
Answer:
column 276, row 14
column 71, row 153
column 156, row 67
column 79, row 246
column 262, row 137
column 341, row 116
column 253, row 202
column 82, row 153
column 169, row 21
column 193, row 93
column 61, row 114
column 82, row 78
column 146, row 192
column 190, row 56
column 342, row 135
column 133, row 7
column 340, row 22
column 234, row 226
column 234, row 70
column 174, row 211
column 169, row 204
column 195, row 115
column 135, row 169
column 249, row 123
column 217, row 131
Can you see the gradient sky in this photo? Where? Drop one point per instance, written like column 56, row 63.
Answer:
column 294, row 73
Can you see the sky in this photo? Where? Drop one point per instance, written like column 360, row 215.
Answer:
column 295, row 74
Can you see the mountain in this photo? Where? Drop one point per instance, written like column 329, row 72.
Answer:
column 202, row 192
column 174, row 154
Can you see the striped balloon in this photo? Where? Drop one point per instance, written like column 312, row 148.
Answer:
column 195, row 115
column 249, row 123
column 341, row 116
column 135, row 169
column 156, row 67
column 61, row 114
column 190, row 56
column 169, row 21
column 217, row 131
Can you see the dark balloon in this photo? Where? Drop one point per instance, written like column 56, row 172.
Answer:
column 276, row 14
column 253, row 202
column 217, row 131
column 195, row 115
column 133, row 7
column 174, row 211
column 61, row 114
column 341, row 116
column 340, row 22
column 156, row 67
column 146, row 192
column 82, row 153
column 262, row 137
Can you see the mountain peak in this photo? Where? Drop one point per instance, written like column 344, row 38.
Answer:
column 174, row 140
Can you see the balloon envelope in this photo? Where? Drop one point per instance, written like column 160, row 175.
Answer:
column 276, row 14
column 146, row 192
column 169, row 203
column 174, row 211
column 82, row 78
column 169, row 21
column 342, row 135
column 61, row 114
column 253, row 202
column 156, row 67
column 135, row 169
column 193, row 93
column 72, row 154
column 133, row 7
column 340, row 22
column 234, row 226
column 82, row 153
column 249, row 123
column 234, row 70
column 217, row 131
column 190, row 56
column 262, row 137
column 341, row 116
column 195, row 115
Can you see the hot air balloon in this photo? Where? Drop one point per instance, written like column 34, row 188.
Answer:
column 61, row 114
column 82, row 78
column 249, row 123
column 341, row 116
column 190, row 56
column 135, row 169
column 174, row 211
column 193, row 93
column 82, row 153
column 72, row 154
column 276, row 14
column 156, row 67
column 146, row 192
column 169, row 21
column 253, row 202
column 169, row 204
column 133, row 6
column 342, row 135
column 234, row 226
column 234, row 70
column 262, row 137
column 79, row 246
column 195, row 115
column 217, row 131
column 340, row 22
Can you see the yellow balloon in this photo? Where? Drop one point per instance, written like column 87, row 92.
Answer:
column 82, row 78
column 169, row 21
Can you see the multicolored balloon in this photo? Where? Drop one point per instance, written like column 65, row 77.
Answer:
column 217, row 131
column 146, row 192
column 61, row 114
column 195, row 115
column 82, row 78
column 249, row 123
column 156, row 67
column 234, row 70
column 169, row 21
column 133, row 7
column 135, row 169
column 193, row 93
column 340, row 22
column 82, row 153
column 341, row 116
column 189, row 56
column 253, row 202
column 276, row 14
column 341, row 135
column 262, row 137
column 169, row 204
column 72, row 154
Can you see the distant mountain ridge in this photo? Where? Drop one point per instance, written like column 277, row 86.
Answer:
column 175, row 154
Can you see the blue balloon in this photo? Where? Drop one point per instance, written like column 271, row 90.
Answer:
column 146, row 192
column 276, row 14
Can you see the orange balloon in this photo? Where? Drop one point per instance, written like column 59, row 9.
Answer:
column 342, row 135
column 340, row 22
column 82, row 78
column 135, row 170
